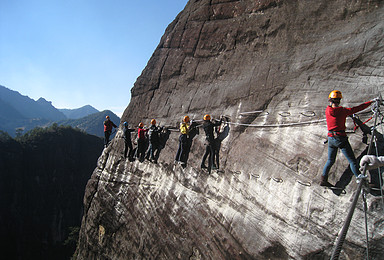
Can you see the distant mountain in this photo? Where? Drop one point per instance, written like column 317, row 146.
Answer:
column 79, row 112
column 27, row 107
column 43, row 175
column 19, row 114
column 92, row 124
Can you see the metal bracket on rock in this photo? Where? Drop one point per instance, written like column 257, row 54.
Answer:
column 308, row 113
column 278, row 180
column 308, row 184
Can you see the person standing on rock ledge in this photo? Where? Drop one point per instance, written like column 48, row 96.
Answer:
column 141, row 142
column 183, row 150
column 108, row 124
column 127, row 141
column 208, row 127
column 337, row 138
column 154, row 142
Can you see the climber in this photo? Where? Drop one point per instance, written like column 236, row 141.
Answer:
column 108, row 124
column 208, row 127
column 127, row 141
column 154, row 142
column 184, row 142
column 221, row 135
column 141, row 142
column 337, row 139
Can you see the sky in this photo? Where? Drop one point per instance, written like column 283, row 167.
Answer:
column 80, row 52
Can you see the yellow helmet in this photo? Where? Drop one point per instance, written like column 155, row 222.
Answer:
column 153, row 121
column 186, row 119
column 335, row 94
column 207, row 117
column 141, row 125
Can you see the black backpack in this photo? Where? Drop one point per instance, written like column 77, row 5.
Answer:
column 153, row 134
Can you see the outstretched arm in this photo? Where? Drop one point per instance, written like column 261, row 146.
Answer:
column 372, row 162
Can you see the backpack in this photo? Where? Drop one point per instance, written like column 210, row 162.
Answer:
column 153, row 134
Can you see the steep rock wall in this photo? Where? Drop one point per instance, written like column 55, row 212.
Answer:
column 228, row 58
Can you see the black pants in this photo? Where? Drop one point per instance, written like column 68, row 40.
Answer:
column 128, row 144
column 209, row 152
column 107, row 134
column 184, row 148
column 141, row 147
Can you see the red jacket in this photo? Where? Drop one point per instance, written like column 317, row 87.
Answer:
column 108, row 124
column 141, row 133
column 336, row 117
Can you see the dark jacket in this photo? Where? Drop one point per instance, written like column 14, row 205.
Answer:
column 127, row 134
column 108, row 124
column 208, row 127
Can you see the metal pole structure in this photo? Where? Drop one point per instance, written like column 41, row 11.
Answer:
column 364, row 196
column 344, row 230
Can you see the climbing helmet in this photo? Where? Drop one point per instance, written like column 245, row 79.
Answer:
column 207, row 117
column 335, row 94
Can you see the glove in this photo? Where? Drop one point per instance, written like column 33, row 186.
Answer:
column 372, row 162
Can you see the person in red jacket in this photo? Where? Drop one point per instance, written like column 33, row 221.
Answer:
column 337, row 138
column 108, row 124
column 141, row 142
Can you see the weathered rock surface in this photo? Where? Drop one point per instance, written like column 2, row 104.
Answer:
column 227, row 58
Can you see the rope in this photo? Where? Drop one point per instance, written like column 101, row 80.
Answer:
column 252, row 112
column 279, row 125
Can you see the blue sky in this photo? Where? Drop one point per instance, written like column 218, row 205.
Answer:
column 79, row 52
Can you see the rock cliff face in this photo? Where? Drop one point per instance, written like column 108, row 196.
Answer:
column 233, row 58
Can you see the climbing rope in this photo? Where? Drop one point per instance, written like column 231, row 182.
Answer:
column 279, row 125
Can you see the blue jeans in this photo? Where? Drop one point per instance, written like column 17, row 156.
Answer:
column 334, row 143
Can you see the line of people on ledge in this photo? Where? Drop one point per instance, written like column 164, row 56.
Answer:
column 150, row 141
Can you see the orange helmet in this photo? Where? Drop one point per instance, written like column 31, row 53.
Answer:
column 335, row 94
column 107, row 117
column 207, row 117
column 141, row 125
column 186, row 119
column 153, row 121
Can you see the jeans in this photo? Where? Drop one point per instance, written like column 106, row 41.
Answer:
column 334, row 143
column 153, row 151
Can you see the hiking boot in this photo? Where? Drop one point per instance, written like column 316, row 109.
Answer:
column 324, row 182
column 360, row 177
column 203, row 166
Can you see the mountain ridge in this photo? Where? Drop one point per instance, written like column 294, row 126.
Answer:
column 19, row 112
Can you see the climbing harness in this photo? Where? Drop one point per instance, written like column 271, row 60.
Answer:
column 344, row 230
